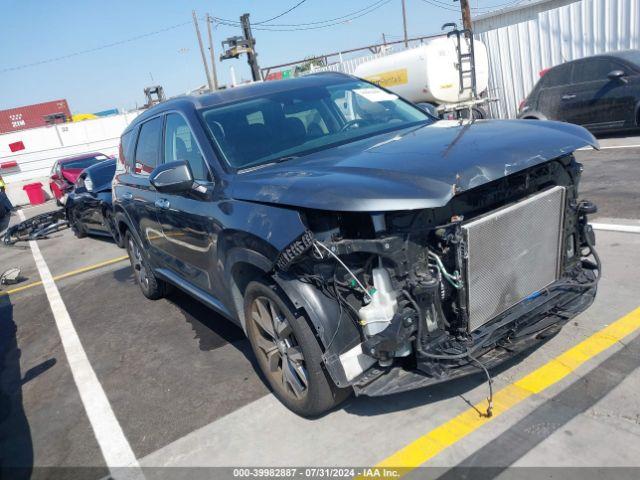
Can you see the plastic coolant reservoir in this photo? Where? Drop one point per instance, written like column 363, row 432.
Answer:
column 377, row 315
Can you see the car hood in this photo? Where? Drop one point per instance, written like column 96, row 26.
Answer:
column 420, row 167
column 71, row 174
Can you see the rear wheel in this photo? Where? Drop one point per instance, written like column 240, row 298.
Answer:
column 152, row 287
column 288, row 353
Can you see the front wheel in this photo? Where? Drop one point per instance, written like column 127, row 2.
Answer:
column 76, row 224
column 288, row 353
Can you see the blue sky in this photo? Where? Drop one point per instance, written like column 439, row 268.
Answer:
column 36, row 30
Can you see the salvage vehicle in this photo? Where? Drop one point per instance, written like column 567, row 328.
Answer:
column 370, row 249
column 89, row 207
column 66, row 171
column 601, row 93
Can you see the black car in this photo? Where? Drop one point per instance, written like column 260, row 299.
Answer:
column 601, row 93
column 361, row 244
column 89, row 206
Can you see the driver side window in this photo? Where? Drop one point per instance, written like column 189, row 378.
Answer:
column 180, row 144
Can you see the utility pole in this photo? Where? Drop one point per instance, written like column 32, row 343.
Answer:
column 204, row 58
column 466, row 14
column 404, row 23
column 213, row 57
column 252, row 56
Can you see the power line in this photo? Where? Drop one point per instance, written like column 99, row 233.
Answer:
column 282, row 14
column 95, row 49
column 302, row 26
column 372, row 5
column 451, row 8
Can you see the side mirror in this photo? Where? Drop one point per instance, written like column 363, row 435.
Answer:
column 616, row 74
column 429, row 108
column 172, row 177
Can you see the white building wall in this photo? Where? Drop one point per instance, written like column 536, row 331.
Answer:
column 522, row 41
column 45, row 145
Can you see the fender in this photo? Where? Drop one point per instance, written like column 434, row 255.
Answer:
column 121, row 217
column 532, row 115
column 337, row 332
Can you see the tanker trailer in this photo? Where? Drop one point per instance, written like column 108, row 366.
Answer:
column 437, row 72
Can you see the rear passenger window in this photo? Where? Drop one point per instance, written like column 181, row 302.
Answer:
column 560, row 75
column 180, row 144
column 148, row 147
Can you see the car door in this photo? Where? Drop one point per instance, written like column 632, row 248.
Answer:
column 137, row 196
column 554, row 84
column 189, row 230
column 595, row 100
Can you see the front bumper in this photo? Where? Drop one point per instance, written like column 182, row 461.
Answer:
column 524, row 327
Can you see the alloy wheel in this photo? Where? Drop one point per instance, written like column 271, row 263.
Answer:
column 277, row 343
column 139, row 268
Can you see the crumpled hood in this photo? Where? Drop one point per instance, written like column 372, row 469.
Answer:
column 413, row 168
column 71, row 174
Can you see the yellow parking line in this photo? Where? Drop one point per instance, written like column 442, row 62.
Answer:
column 67, row 274
column 432, row 443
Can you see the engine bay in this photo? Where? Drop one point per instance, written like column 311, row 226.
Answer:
column 401, row 279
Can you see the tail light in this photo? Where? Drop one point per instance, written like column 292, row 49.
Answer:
column 543, row 72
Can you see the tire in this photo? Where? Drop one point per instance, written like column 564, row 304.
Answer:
column 76, row 225
column 288, row 353
column 152, row 287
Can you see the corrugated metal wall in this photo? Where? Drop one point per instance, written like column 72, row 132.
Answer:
column 523, row 41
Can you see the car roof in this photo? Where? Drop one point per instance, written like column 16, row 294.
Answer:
column 621, row 55
column 62, row 161
column 243, row 92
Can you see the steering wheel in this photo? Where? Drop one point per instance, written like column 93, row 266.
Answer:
column 352, row 123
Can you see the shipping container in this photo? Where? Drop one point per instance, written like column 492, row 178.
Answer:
column 33, row 116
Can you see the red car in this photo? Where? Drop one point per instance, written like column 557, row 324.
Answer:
column 66, row 171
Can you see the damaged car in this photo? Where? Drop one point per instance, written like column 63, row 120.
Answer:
column 362, row 245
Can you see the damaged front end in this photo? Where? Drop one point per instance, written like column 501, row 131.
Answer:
column 405, row 299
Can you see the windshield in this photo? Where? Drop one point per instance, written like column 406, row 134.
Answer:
column 284, row 125
column 83, row 163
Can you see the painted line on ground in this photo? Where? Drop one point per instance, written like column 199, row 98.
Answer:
column 612, row 227
column 449, row 433
column 114, row 445
column 67, row 274
column 610, row 147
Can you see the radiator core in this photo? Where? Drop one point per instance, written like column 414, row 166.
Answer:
column 512, row 253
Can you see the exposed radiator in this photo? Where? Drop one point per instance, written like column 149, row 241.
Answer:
column 512, row 253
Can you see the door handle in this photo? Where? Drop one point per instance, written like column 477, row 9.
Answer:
column 127, row 196
column 162, row 203
column 568, row 97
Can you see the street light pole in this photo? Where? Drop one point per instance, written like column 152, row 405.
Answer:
column 204, row 58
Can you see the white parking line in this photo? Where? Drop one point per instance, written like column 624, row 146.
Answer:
column 114, row 445
column 608, row 147
column 611, row 227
